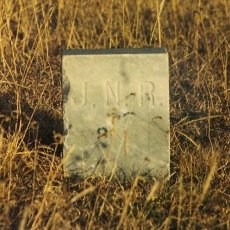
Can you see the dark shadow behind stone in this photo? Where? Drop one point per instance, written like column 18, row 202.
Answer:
column 43, row 127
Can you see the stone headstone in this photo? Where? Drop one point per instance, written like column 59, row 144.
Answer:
column 116, row 111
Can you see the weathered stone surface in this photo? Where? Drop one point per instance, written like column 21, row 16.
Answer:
column 116, row 111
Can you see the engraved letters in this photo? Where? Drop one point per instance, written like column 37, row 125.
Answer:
column 144, row 94
column 81, row 99
column 112, row 93
column 147, row 93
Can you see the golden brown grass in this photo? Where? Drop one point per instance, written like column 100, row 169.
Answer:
column 33, row 192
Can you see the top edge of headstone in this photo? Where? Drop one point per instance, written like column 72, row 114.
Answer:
column 115, row 51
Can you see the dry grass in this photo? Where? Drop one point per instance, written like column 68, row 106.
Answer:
column 33, row 192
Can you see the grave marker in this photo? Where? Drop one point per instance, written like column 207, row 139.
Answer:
column 116, row 111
